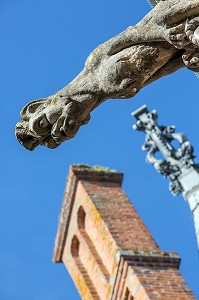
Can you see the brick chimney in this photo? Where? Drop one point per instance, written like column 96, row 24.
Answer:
column 107, row 249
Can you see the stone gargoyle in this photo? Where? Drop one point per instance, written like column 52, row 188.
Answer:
column 164, row 41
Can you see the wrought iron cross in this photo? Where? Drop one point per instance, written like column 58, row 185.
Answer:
column 177, row 163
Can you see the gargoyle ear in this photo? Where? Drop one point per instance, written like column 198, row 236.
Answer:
column 31, row 107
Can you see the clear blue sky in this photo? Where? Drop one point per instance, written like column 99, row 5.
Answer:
column 43, row 47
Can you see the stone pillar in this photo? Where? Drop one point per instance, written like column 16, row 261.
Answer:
column 106, row 247
column 189, row 180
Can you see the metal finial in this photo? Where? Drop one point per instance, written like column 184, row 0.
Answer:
column 177, row 163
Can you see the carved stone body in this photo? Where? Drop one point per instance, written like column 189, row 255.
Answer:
column 164, row 41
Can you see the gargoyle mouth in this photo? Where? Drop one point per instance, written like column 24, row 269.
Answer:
column 24, row 137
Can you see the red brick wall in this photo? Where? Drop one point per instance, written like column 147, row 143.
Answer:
column 106, row 247
column 150, row 277
column 118, row 214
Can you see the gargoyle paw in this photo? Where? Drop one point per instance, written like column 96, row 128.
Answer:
column 192, row 31
column 50, row 121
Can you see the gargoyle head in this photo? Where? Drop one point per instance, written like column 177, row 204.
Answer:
column 49, row 122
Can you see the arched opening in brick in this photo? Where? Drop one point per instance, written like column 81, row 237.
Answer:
column 128, row 295
column 82, row 269
column 81, row 220
column 75, row 247
column 81, row 216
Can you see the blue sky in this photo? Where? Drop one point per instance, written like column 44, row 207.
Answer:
column 43, row 47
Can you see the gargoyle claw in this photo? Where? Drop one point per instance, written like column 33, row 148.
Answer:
column 178, row 37
column 191, row 60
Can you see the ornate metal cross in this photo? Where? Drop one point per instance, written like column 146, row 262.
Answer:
column 177, row 163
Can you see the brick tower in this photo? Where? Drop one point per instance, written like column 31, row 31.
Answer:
column 107, row 249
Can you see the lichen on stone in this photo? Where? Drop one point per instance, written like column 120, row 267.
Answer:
column 94, row 168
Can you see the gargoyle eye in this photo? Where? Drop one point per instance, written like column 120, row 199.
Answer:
column 43, row 122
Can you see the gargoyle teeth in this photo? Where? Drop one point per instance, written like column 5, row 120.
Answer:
column 57, row 140
column 50, row 143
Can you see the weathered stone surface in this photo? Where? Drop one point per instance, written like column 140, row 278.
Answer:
column 160, row 44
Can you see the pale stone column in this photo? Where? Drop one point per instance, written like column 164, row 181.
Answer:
column 190, row 184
